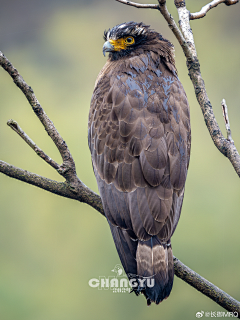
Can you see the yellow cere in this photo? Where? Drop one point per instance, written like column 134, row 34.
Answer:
column 122, row 43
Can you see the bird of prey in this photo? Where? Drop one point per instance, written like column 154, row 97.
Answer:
column 139, row 137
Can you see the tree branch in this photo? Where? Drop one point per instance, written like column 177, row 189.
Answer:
column 67, row 169
column 202, row 13
column 64, row 189
column 225, row 146
column 206, row 287
column 139, row 5
column 173, row 26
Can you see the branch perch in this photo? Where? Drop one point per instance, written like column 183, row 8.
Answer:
column 206, row 287
column 73, row 188
column 63, row 189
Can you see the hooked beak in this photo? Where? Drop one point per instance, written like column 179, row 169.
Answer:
column 107, row 47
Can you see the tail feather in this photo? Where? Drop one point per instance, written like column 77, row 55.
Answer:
column 155, row 261
column 145, row 260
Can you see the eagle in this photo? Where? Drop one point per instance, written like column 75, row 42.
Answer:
column 139, row 137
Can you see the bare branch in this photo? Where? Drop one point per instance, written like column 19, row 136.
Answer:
column 14, row 125
column 226, row 147
column 202, row 13
column 139, row 5
column 36, row 180
column 67, row 169
column 226, row 120
column 82, row 193
column 206, row 287
column 186, row 30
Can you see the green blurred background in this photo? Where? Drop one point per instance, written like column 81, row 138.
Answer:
column 51, row 246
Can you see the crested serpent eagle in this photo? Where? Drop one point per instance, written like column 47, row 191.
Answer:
column 139, row 137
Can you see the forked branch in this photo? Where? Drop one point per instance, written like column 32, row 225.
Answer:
column 207, row 288
column 73, row 187
column 64, row 189
column 192, row 16
column 68, row 165
column 225, row 146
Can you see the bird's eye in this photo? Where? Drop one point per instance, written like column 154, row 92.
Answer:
column 129, row 40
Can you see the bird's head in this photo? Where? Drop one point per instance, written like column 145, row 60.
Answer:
column 125, row 38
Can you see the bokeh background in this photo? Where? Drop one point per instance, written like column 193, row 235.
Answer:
column 51, row 246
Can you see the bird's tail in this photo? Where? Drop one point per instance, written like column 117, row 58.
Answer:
column 155, row 269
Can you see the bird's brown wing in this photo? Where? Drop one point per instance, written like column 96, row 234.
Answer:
column 139, row 137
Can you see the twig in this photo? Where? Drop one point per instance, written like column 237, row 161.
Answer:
column 139, row 5
column 14, row 125
column 202, row 13
column 206, row 287
column 226, row 120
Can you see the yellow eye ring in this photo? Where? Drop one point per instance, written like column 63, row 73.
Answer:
column 129, row 40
